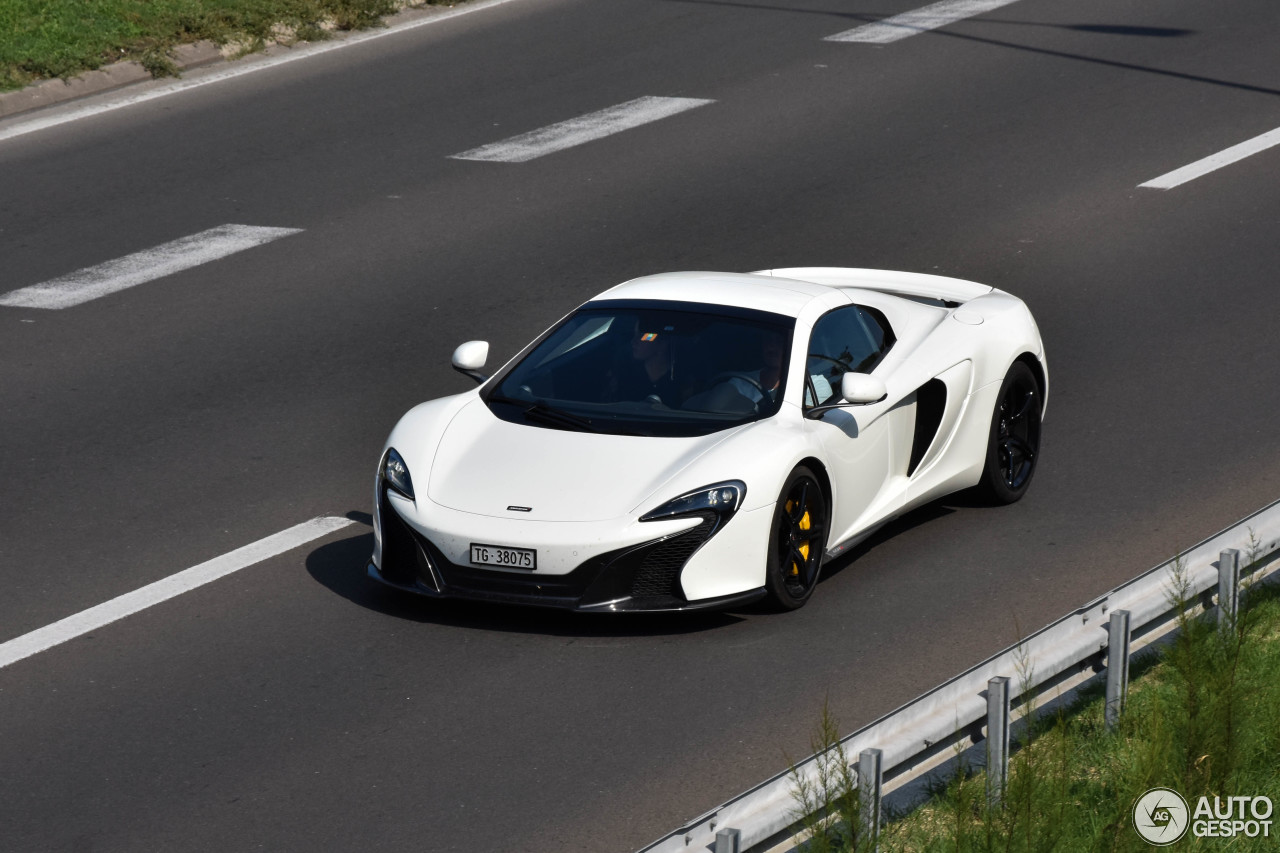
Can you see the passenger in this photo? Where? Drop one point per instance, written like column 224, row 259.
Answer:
column 649, row 374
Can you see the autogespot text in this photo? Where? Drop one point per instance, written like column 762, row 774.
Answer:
column 1229, row 817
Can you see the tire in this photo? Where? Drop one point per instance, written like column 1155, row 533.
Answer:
column 797, row 541
column 1013, row 443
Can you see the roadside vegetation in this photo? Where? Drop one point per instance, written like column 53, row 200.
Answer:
column 45, row 39
column 1203, row 718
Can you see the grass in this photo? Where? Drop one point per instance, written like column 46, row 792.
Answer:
column 45, row 39
column 1203, row 718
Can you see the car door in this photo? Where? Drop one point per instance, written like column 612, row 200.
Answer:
column 860, row 441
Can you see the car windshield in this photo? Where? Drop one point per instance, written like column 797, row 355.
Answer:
column 650, row 368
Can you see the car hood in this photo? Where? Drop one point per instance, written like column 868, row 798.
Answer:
column 485, row 465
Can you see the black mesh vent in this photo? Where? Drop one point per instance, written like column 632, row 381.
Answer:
column 659, row 573
column 399, row 552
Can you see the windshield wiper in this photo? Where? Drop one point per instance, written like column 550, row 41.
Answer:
column 552, row 416
column 543, row 412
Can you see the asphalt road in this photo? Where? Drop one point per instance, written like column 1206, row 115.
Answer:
column 292, row 706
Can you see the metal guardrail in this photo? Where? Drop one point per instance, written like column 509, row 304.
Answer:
column 930, row 730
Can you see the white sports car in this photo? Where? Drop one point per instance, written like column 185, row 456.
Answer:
column 697, row 440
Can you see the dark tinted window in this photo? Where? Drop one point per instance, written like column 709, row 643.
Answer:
column 847, row 339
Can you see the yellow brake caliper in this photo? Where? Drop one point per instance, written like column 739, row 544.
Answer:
column 804, row 546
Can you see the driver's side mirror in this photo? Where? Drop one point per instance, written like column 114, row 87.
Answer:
column 861, row 388
column 470, row 357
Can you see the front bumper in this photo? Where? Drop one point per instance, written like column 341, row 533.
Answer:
column 637, row 577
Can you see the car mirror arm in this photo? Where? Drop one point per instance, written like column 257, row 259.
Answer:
column 479, row 377
column 818, row 411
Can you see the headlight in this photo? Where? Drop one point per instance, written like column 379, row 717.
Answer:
column 721, row 498
column 396, row 474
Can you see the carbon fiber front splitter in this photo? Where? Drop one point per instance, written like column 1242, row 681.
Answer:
column 624, row 604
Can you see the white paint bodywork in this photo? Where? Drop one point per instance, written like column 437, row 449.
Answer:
column 585, row 492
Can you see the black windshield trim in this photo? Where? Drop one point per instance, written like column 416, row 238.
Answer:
column 710, row 308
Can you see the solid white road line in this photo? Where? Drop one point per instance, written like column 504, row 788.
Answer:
column 252, row 65
column 162, row 590
column 576, row 131
column 1215, row 161
column 919, row 21
column 144, row 266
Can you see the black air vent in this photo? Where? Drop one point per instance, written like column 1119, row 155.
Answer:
column 931, row 400
column 659, row 574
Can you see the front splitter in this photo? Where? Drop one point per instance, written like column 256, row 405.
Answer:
column 626, row 604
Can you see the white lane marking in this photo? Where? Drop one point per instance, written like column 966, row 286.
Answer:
column 576, row 131
column 144, row 266
column 919, row 21
column 162, row 590
column 251, row 66
column 1215, row 161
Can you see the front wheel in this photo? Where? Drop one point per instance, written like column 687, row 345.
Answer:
column 1013, row 444
column 797, row 541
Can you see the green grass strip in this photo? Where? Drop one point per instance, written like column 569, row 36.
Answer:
column 1203, row 718
column 44, row 39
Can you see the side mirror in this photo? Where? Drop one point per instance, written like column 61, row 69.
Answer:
column 861, row 388
column 470, row 357
column 855, row 388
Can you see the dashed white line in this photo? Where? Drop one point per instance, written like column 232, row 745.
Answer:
column 919, row 21
column 162, row 590
column 144, row 266
column 1214, row 161
column 567, row 134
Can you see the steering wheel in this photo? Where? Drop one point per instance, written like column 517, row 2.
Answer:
column 745, row 377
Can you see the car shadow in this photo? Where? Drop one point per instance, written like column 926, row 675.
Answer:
column 972, row 498
column 909, row 521
column 339, row 566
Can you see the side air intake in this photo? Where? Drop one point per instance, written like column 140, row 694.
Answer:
column 931, row 400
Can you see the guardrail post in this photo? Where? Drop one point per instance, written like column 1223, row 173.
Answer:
column 997, row 739
column 870, row 778
column 1228, row 588
column 1117, row 666
column 727, row 840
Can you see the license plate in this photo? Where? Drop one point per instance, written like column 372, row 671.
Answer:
column 507, row 558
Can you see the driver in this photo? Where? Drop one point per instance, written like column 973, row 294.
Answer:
column 757, row 385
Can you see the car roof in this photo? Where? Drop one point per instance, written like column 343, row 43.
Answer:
column 744, row 290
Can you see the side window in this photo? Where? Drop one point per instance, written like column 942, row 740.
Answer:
column 847, row 339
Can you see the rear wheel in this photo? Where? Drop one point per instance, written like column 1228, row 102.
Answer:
column 798, row 540
column 1013, row 445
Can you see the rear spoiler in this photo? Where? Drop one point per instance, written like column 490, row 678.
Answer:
column 909, row 284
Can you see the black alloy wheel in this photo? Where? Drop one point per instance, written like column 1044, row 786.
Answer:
column 1014, row 444
column 798, row 540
